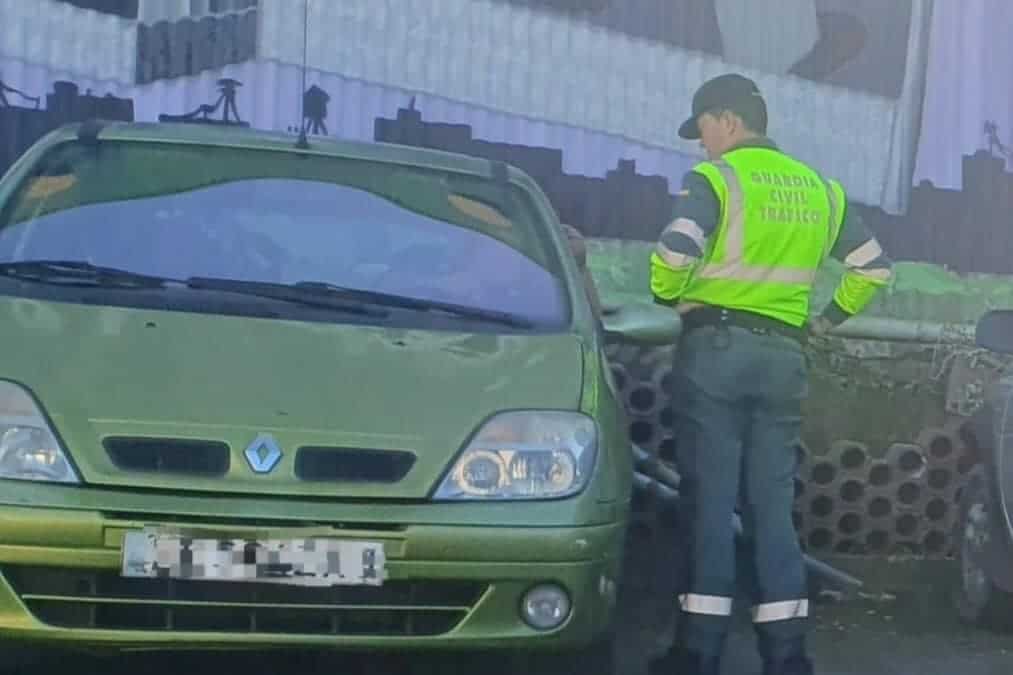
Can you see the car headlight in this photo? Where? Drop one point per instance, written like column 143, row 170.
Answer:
column 28, row 447
column 525, row 455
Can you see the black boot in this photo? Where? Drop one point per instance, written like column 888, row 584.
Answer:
column 678, row 661
column 794, row 665
column 786, row 658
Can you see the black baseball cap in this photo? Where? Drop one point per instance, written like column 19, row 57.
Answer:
column 725, row 92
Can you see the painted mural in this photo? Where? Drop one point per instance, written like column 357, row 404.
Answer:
column 847, row 43
column 853, row 83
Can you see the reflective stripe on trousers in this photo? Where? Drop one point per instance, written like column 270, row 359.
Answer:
column 734, row 266
column 781, row 611
column 710, row 605
column 768, row 612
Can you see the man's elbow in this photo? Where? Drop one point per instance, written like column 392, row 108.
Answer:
column 670, row 273
column 870, row 262
column 860, row 284
column 880, row 275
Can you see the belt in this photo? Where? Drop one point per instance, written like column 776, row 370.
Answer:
column 756, row 323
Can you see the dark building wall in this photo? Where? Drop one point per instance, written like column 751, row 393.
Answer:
column 20, row 127
column 190, row 46
column 125, row 8
column 624, row 204
column 968, row 230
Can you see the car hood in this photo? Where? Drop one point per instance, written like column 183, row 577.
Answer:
column 118, row 378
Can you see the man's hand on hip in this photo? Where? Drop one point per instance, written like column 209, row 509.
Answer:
column 684, row 307
column 820, row 326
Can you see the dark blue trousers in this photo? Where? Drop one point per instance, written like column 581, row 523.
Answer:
column 738, row 402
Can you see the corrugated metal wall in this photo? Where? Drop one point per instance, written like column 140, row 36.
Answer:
column 597, row 85
column 545, row 66
column 66, row 39
column 969, row 73
column 966, row 230
column 153, row 11
column 168, row 67
column 488, row 57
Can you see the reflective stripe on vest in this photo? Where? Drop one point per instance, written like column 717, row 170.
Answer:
column 734, row 266
column 779, row 220
column 836, row 195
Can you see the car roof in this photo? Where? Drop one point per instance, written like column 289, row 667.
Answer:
column 259, row 139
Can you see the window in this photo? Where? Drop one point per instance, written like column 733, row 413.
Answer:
column 250, row 215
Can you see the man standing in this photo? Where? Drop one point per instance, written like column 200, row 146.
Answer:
column 739, row 261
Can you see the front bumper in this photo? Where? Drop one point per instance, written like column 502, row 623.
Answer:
column 449, row 587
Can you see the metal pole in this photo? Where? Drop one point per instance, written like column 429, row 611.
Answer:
column 670, row 496
column 899, row 330
column 650, row 465
column 641, row 323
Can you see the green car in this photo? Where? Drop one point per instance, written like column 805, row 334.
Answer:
column 346, row 396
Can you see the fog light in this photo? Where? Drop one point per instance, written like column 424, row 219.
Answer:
column 545, row 607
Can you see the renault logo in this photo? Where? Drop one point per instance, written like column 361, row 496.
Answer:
column 263, row 454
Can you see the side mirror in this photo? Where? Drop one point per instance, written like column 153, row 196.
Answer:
column 642, row 323
column 995, row 331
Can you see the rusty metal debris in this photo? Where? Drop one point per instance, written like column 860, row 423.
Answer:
column 652, row 477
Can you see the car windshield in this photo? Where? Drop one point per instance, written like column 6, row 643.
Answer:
column 273, row 217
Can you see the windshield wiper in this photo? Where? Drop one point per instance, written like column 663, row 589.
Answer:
column 307, row 293
column 284, row 293
column 419, row 304
column 76, row 273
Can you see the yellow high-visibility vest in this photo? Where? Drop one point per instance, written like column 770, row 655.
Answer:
column 779, row 221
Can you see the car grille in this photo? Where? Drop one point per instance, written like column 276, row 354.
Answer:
column 169, row 455
column 210, row 459
column 352, row 465
column 71, row 598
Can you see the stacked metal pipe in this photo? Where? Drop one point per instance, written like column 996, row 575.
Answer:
column 909, row 467
column 879, row 508
column 656, row 481
column 850, row 498
column 833, row 505
column 903, row 502
column 643, row 378
column 947, row 453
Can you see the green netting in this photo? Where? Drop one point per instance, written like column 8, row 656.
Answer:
column 917, row 292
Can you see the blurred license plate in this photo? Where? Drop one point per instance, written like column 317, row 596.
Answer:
column 298, row 562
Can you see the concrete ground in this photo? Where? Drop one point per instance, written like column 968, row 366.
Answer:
column 902, row 625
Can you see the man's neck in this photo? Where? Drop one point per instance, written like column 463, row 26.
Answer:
column 752, row 141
